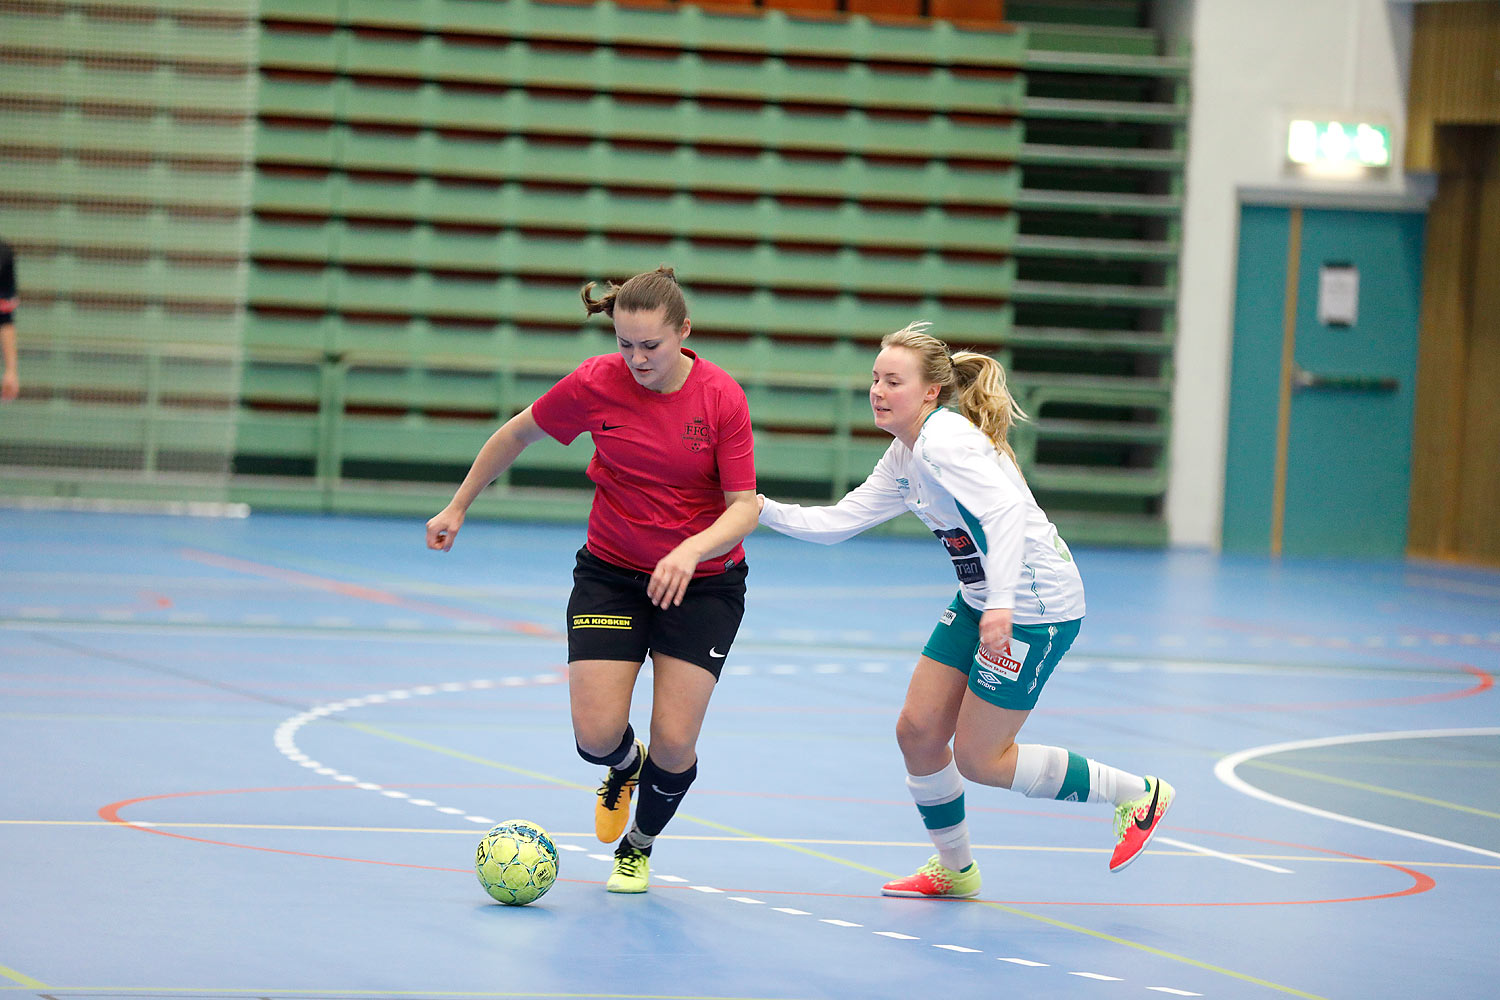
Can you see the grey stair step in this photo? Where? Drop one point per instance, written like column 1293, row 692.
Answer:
column 1038, row 153
column 1079, row 109
column 1080, row 246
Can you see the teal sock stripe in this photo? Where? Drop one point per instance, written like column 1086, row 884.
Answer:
column 1075, row 786
column 940, row 817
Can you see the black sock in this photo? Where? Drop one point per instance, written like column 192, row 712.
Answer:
column 658, row 795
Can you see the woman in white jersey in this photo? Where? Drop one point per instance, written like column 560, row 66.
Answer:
column 1019, row 605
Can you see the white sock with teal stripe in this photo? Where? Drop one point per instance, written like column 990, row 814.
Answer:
column 1054, row 773
column 940, row 800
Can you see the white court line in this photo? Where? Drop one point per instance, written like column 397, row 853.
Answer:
column 1224, row 771
column 1219, row 854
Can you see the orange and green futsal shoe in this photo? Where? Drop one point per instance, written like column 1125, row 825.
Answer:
column 1136, row 822
column 612, row 809
column 936, row 881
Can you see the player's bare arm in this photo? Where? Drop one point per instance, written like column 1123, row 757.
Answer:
column 670, row 579
column 502, row 449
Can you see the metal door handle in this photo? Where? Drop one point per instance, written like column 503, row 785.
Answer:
column 1304, row 379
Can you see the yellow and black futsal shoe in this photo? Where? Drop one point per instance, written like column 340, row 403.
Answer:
column 632, row 870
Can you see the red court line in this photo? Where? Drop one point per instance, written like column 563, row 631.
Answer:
column 361, row 592
column 111, row 813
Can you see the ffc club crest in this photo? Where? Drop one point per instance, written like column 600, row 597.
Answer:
column 695, row 435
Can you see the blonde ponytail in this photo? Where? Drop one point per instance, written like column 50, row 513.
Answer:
column 978, row 381
column 985, row 399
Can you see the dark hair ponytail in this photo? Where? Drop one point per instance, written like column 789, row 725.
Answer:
column 643, row 293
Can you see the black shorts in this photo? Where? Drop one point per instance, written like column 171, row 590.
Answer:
column 610, row 617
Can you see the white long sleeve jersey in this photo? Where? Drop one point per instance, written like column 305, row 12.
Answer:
column 1004, row 550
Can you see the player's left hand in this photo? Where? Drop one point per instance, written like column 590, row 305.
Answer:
column 671, row 577
column 994, row 630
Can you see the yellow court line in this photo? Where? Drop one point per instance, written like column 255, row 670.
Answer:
column 460, row 755
column 1026, row 914
column 1377, row 789
column 21, row 980
column 1100, row 935
column 1161, row 953
column 778, row 841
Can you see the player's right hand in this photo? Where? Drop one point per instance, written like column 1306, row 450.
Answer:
column 442, row 529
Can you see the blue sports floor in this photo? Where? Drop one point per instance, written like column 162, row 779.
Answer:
column 252, row 758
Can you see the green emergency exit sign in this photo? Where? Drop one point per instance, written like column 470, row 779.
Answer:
column 1338, row 144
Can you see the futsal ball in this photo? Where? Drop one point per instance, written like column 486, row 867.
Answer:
column 516, row 862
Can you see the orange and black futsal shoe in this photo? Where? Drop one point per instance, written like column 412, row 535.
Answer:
column 612, row 808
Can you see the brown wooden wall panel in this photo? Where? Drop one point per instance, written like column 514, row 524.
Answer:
column 1438, row 416
column 1456, row 443
column 1478, row 532
column 1455, row 73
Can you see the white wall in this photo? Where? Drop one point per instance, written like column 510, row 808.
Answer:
column 1256, row 64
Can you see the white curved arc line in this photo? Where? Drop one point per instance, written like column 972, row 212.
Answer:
column 1224, row 771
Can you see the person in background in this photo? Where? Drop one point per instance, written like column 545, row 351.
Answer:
column 10, row 380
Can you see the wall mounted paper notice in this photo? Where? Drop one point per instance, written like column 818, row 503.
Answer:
column 1338, row 294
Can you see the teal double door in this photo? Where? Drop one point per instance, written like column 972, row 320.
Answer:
column 1318, row 459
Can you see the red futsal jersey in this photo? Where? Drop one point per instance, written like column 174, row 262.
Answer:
column 662, row 461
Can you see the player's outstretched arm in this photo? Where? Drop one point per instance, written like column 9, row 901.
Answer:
column 497, row 455
column 675, row 570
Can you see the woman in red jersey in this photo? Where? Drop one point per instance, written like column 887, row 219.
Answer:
column 663, row 570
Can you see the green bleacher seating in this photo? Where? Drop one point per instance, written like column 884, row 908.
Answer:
column 432, row 179
column 1099, row 208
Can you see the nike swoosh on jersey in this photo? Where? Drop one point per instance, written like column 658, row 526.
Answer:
column 714, row 652
column 606, row 426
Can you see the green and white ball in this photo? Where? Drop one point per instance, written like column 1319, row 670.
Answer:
column 516, row 862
